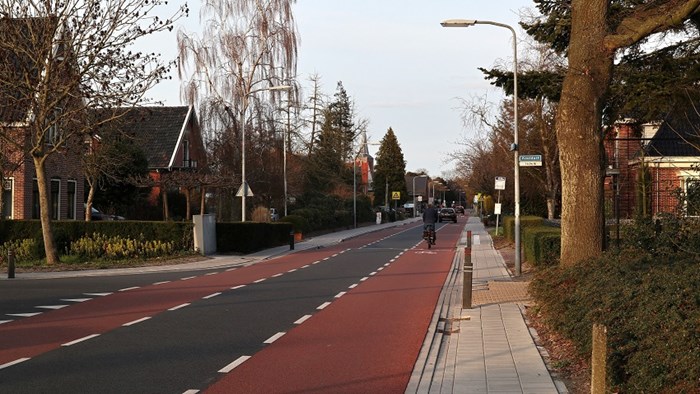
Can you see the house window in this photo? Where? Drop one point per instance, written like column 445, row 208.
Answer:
column 7, row 197
column 72, row 185
column 692, row 196
column 55, row 199
column 187, row 161
column 53, row 135
column 35, row 200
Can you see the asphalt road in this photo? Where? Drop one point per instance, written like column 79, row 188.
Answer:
column 346, row 318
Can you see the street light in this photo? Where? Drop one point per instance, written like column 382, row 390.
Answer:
column 415, row 211
column 244, row 184
column 514, row 147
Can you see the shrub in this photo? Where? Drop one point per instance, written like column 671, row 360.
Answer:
column 24, row 249
column 299, row 223
column 541, row 244
column 97, row 246
column 647, row 294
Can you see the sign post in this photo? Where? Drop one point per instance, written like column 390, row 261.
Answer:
column 500, row 185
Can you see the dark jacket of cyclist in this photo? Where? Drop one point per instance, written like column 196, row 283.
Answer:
column 430, row 215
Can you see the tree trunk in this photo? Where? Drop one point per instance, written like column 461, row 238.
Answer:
column 166, row 209
column 45, row 212
column 88, row 202
column 202, row 199
column 579, row 132
column 188, row 210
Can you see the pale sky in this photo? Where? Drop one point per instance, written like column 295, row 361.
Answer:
column 400, row 67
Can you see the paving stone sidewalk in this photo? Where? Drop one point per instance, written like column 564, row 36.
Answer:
column 487, row 348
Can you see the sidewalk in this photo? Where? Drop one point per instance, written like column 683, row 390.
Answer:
column 488, row 348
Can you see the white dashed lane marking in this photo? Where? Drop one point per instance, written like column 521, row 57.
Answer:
column 129, row 288
column 211, row 296
column 274, row 337
column 302, row 319
column 71, row 343
column 75, row 299
column 179, row 306
column 323, row 306
column 11, row 363
column 24, row 314
column 137, row 321
column 230, row 367
column 53, row 307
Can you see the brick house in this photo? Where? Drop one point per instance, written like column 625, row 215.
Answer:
column 19, row 76
column 171, row 139
column 670, row 151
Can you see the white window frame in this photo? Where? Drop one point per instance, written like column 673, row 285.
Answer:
column 58, row 203
column 687, row 180
column 11, row 182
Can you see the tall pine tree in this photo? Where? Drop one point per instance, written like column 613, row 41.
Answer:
column 390, row 169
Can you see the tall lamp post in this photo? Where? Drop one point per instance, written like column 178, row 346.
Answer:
column 514, row 147
column 244, row 184
column 415, row 211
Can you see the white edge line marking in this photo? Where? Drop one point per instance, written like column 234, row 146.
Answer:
column 373, row 273
column 352, row 286
column 191, row 391
column 342, row 293
column 322, row 306
column 211, row 296
column 188, row 278
column 76, row 299
column 80, row 340
column 161, row 283
column 97, row 294
column 230, row 367
column 335, row 255
column 364, row 279
column 259, row 280
column 387, row 264
column 292, row 270
column 277, row 275
column 136, row 321
column 11, row 363
column 51, row 306
column 306, row 266
column 327, row 258
column 129, row 288
column 237, row 287
column 274, row 337
column 231, row 269
column 380, row 268
column 179, row 306
column 5, row 321
column 392, row 260
column 211, row 273
column 303, row 319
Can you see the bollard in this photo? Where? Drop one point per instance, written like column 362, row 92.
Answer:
column 469, row 239
column 291, row 240
column 467, row 283
column 10, row 264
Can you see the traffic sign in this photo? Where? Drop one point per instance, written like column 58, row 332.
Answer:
column 395, row 195
column 530, row 161
column 248, row 192
column 500, row 183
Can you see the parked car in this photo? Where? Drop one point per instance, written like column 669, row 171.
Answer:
column 447, row 214
column 459, row 209
column 96, row 214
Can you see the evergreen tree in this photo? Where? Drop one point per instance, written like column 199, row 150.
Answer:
column 391, row 169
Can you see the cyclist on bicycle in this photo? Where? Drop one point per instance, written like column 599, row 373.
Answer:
column 430, row 217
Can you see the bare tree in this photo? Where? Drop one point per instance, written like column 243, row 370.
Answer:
column 246, row 47
column 63, row 57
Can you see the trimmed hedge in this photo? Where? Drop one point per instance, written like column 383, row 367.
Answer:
column 541, row 245
column 525, row 221
column 250, row 237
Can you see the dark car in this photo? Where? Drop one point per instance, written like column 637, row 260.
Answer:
column 96, row 214
column 459, row 209
column 447, row 214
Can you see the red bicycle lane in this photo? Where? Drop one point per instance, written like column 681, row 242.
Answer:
column 366, row 341
column 32, row 336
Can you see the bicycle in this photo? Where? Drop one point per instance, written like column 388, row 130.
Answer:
column 429, row 234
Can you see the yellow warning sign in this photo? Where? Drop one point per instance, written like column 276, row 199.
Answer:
column 395, row 195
